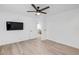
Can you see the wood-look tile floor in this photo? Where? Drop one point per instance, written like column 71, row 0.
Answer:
column 37, row 47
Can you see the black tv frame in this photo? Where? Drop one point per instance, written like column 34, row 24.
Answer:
column 10, row 25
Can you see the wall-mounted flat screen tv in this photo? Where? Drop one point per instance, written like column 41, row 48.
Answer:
column 14, row 25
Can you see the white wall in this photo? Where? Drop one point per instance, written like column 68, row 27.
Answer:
column 7, row 37
column 64, row 28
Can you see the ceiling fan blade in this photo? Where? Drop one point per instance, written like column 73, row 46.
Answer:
column 31, row 11
column 43, row 12
column 44, row 8
column 34, row 7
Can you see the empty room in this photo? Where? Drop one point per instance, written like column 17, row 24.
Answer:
column 39, row 29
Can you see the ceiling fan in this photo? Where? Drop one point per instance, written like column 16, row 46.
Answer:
column 38, row 11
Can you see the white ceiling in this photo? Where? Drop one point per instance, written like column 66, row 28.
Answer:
column 22, row 8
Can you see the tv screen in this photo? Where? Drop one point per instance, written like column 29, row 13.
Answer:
column 14, row 25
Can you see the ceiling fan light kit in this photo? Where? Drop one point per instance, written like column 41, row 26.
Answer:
column 37, row 13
